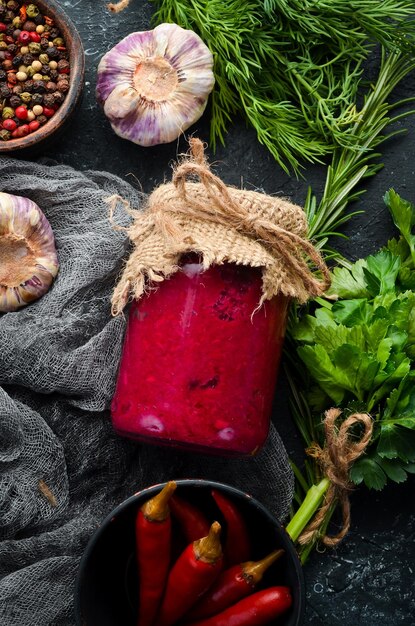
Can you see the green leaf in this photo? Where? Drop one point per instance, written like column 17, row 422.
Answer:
column 383, row 351
column 352, row 312
column 400, row 248
column 403, row 215
column 304, row 330
column 383, row 269
column 393, row 469
column 374, row 333
column 349, row 283
column 368, row 471
column 321, row 368
column 396, row 442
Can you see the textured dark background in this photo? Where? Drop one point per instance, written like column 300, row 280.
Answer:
column 369, row 578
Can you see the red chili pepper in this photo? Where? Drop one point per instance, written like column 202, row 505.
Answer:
column 192, row 521
column 256, row 610
column 194, row 572
column 237, row 545
column 232, row 585
column 153, row 543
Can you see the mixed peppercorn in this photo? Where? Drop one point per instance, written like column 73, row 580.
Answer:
column 34, row 69
column 202, row 585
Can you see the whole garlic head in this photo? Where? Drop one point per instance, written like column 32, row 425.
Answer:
column 28, row 259
column 155, row 84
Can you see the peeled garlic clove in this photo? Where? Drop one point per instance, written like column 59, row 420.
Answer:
column 28, row 259
column 155, row 84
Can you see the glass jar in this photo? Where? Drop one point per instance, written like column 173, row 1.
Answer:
column 200, row 361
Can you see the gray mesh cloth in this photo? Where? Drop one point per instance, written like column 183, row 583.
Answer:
column 58, row 363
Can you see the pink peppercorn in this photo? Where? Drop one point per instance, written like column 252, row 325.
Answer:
column 35, row 37
column 48, row 111
column 21, row 131
column 3, row 27
column 21, row 113
column 24, row 37
column 9, row 125
column 33, row 126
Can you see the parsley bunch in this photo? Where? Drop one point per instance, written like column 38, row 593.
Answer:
column 358, row 353
column 292, row 68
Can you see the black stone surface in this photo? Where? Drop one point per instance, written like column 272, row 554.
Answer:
column 369, row 579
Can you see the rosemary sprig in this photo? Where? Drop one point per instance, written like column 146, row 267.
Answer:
column 351, row 164
column 291, row 68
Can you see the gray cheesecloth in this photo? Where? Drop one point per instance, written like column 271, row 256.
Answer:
column 62, row 468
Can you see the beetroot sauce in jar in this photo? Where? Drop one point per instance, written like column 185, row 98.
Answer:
column 200, row 361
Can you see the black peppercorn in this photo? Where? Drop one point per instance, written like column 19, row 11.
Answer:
column 12, row 5
column 64, row 54
column 59, row 97
column 63, row 86
column 45, row 70
column 39, row 86
column 63, row 65
column 28, row 85
column 39, row 19
column 2, row 10
column 10, row 30
column 15, row 101
column 29, row 26
column 5, row 92
column 48, row 100
column 42, row 119
column 8, row 17
column 53, row 53
column 12, row 48
column 16, row 33
column 28, row 59
column 51, row 86
column 37, row 98
column 44, row 43
column 54, row 75
column 3, row 75
column 54, row 33
column 17, row 89
column 17, row 60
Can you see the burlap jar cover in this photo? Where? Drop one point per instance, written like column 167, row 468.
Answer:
column 223, row 224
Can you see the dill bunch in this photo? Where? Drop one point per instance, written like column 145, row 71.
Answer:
column 291, row 68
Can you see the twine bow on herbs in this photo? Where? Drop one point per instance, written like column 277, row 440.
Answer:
column 222, row 224
column 336, row 459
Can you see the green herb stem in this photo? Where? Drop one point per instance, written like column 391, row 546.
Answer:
column 307, row 509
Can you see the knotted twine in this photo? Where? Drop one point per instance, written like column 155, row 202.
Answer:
column 335, row 460
column 222, row 224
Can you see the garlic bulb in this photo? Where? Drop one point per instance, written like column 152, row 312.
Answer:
column 155, row 84
column 28, row 259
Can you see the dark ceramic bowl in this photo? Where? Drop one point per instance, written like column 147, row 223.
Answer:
column 77, row 60
column 107, row 580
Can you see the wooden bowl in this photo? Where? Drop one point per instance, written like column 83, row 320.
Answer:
column 106, row 587
column 77, row 61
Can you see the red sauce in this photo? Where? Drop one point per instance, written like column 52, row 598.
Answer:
column 199, row 364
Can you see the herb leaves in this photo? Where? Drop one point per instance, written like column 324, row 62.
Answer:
column 359, row 351
column 292, row 68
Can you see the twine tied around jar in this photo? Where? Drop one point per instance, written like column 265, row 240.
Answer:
column 222, row 224
column 335, row 460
